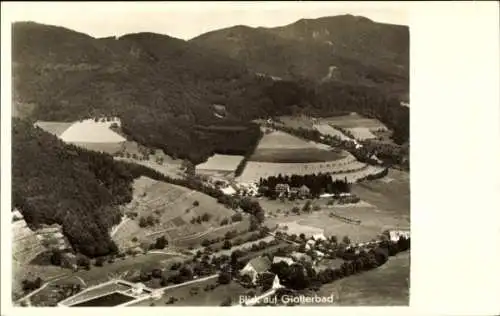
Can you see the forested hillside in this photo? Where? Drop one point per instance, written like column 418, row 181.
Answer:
column 161, row 86
column 56, row 183
column 342, row 48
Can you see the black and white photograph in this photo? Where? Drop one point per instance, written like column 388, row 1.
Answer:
column 225, row 156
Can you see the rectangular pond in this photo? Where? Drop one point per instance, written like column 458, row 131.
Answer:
column 112, row 299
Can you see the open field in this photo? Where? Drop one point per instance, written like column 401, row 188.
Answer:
column 279, row 139
column 109, row 148
column 353, row 120
column 385, row 206
column 221, row 162
column 362, row 133
column 120, row 268
column 296, row 121
column 391, row 193
column 172, row 208
column 345, row 167
column 55, row 128
column 171, row 168
column 209, row 298
column 89, row 131
column 296, row 155
column 281, row 153
column 327, row 129
column 387, row 285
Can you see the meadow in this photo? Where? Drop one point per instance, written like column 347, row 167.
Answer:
column 55, row 128
column 281, row 153
column 221, row 162
column 296, row 155
column 387, row 285
column 186, row 296
column 172, row 209
column 385, row 204
column 327, row 129
column 353, row 120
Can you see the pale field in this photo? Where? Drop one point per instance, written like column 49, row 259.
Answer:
column 54, row 128
column 109, row 148
column 361, row 133
column 169, row 168
column 387, row 285
column 352, row 121
column 281, row 153
column 173, row 205
column 346, row 167
column 326, row 129
column 279, row 139
column 221, row 162
column 89, row 131
column 297, row 121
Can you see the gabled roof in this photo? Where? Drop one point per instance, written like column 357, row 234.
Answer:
column 305, row 187
column 287, row 260
column 260, row 264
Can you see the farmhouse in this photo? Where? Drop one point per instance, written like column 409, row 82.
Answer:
column 319, row 236
column 299, row 256
column 229, row 190
column 394, row 235
column 256, row 267
column 286, row 260
column 304, row 191
column 282, row 188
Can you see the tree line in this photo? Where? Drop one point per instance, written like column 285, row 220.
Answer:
column 316, row 183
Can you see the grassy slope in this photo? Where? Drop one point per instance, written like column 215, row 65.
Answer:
column 387, row 285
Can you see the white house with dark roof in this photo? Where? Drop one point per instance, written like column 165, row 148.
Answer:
column 286, row 260
column 255, row 267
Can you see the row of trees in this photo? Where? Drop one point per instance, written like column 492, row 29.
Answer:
column 316, row 183
column 299, row 276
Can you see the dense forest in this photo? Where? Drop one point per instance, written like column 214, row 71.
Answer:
column 161, row 87
column 78, row 189
column 317, row 183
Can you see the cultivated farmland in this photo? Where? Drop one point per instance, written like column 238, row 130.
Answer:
column 297, row 155
column 90, row 131
column 282, row 153
column 171, row 210
column 327, row 129
column 362, row 128
column 55, row 128
column 223, row 163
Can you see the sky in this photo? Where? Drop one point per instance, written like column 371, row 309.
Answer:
column 190, row 19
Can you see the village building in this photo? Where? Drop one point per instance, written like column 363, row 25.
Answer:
column 304, row 191
column 294, row 192
column 282, row 189
column 394, row 235
column 256, row 267
column 286, row 260
column 229, row 190
column 319, row 236
column 299, row 256
column 138, row 288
